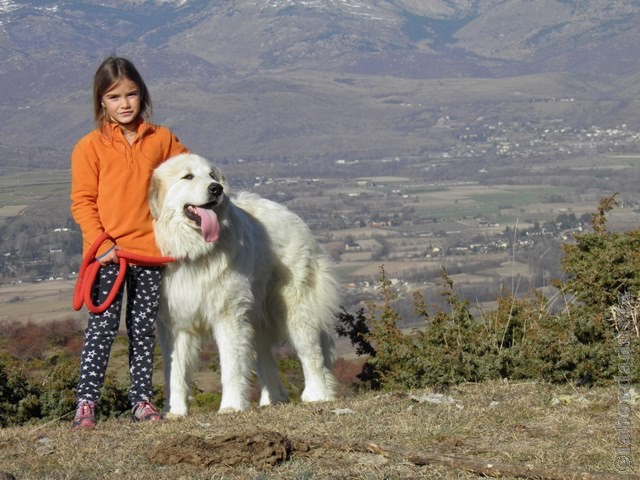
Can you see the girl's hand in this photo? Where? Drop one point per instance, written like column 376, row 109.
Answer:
column 109, row 257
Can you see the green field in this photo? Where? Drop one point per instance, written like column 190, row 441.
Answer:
column 480, row 201
column 20, row 191
column 25, row 188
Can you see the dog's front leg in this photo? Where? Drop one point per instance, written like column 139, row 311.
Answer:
column 179, row 356
column 234, row 337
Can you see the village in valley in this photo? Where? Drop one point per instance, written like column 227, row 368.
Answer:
column 491, row 208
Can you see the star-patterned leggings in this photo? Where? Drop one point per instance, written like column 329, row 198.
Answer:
column 143, row 288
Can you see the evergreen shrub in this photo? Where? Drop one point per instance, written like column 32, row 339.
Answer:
column 590, row 340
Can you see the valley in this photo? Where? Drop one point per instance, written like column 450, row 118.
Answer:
column 492, row 221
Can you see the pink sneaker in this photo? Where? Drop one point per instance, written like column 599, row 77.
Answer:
column 144, row 412
column 85, row 415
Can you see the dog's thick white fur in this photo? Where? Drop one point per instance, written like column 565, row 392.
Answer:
column 249, row 272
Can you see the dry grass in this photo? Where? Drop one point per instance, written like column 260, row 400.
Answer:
column 498, row 422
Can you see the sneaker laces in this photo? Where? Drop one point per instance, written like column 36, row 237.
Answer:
column 85, row 414
column 84, row 408
column 145, row 410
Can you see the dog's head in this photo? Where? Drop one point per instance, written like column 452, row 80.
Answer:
column 187, row 198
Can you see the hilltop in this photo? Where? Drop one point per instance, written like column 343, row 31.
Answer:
column 524, row 424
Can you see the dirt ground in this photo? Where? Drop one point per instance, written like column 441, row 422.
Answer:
column 506, row 429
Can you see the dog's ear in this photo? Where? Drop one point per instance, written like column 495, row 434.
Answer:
column 156, row 195
column 219, row 176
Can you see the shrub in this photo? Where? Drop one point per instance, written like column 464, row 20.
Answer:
column 206, row 401
column 63, row 332
column 347, row 372
column 26, row 341
column 601, row 265
column 32, row 340
column 356, row 328
column 19, row 400
column 449, row 348
column 58, row 397
column 534, row 344
column 521, row 339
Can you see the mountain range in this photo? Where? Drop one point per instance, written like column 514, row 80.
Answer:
column 324, row 79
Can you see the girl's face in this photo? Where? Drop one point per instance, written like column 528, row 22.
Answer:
column 122, row 102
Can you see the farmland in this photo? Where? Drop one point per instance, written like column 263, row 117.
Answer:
column 487, row 231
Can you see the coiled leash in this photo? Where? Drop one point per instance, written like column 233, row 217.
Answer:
column 89, row 271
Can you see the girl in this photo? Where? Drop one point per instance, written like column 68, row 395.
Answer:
column 111, row 169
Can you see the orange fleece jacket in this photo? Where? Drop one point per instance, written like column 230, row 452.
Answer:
column 110, row 185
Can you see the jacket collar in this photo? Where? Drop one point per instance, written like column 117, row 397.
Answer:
column 113, row 131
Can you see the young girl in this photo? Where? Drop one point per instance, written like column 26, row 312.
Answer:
column 111, row 169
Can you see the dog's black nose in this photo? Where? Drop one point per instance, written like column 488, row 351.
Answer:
column 215, row 189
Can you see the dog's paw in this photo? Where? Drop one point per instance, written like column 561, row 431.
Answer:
column 174, row 416
column 270, row 403
column 275, row 397
column 228, row 410
column 317, row 396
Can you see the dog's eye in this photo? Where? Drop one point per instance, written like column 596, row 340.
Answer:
column 188, row 176
column 213, row 175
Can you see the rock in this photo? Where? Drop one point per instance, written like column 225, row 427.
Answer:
column 342, row 411
column 44, row 447
column 567, row 399
column 434, row 398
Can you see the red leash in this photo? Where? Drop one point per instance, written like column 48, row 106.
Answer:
column 89, row 270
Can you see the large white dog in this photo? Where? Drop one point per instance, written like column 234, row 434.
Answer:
column 249, row 272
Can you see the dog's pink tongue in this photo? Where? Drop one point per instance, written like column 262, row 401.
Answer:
column 209, row 224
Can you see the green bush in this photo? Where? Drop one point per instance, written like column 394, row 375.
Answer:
column 602, row 266
column 19, row 400
column 590, row 341
column 205, row 401
column 448, row 349
column 27, row 397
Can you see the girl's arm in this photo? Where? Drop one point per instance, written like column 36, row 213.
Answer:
column 84, row 195
column 175, row 146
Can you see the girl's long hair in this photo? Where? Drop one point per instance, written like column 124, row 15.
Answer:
column 111, row 71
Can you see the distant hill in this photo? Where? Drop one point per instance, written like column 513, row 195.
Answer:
column 318, row 78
